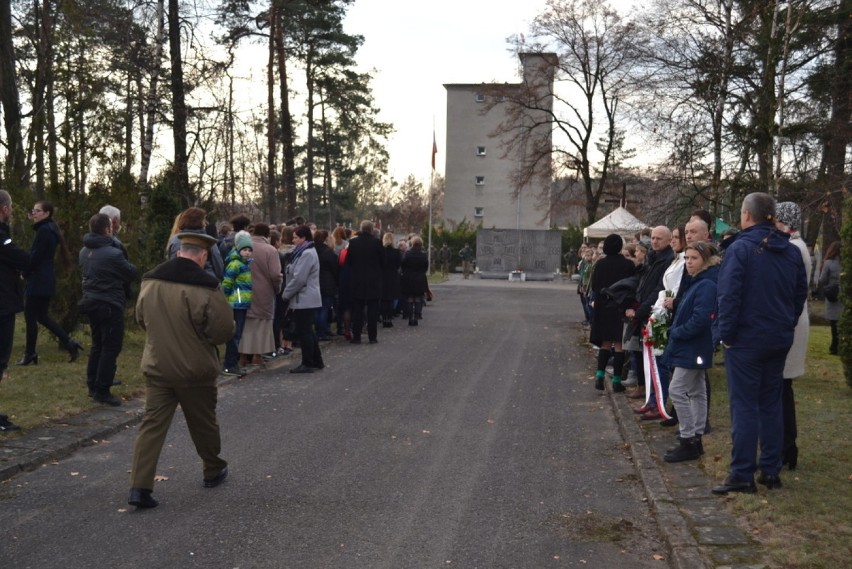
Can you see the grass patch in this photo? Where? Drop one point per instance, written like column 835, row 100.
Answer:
column 806, row 524
column 55, row 389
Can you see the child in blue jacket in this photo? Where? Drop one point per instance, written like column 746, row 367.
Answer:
column 690, row 350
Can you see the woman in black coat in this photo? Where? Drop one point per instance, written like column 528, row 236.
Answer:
column 415, row 263
column 41, row 284
column 390, row 279
column 607, row 324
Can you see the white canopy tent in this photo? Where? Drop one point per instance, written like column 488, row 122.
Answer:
column 619, row 221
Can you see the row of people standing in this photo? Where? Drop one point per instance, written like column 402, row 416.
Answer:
column 755, row 322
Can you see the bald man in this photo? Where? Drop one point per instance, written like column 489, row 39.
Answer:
column 650, row 284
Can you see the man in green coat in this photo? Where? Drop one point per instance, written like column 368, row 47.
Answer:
column 185, row 317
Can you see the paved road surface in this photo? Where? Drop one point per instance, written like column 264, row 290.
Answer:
column 472, row 441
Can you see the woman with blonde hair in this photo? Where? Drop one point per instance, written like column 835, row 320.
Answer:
column 414, row 282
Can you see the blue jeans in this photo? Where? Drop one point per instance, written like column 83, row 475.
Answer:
column 755, row 387
column 321, row 317
column 232, row 352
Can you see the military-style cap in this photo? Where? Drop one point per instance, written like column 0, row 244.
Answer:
column 198, row 239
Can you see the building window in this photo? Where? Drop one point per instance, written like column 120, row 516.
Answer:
column 480, row 180
column 478, row 211
column 480, row 151
column 480, row 97
column 500, row 98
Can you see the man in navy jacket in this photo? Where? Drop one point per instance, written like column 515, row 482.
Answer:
column 761, row 292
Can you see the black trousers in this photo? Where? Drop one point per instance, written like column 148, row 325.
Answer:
column 107, row 323
column 36, row 312
column 311, row 354
column 372, row 306
column 7, row 335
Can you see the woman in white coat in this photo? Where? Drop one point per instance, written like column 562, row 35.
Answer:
column 788, row 217
column 303, row 293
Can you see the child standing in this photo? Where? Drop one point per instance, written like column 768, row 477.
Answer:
column 690, row 350
column 236, row 284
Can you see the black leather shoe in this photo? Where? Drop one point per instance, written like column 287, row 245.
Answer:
column 668, row 422
column 618, row 387
column 599, row 385
column 141, row 498
column 732, row 484
column 107, row 399
column 216, row 480
column 27, row 360
column 302, row 369
column 771, row 481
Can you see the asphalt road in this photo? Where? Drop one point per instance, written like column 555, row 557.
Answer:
column 474, row 440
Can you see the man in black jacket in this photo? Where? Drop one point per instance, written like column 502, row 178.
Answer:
column 105, row 274
column 365, row 260
column 13, row 260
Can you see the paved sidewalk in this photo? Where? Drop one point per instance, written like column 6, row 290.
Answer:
column 697, row 525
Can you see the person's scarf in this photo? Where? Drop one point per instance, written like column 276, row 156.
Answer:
column 297, row 252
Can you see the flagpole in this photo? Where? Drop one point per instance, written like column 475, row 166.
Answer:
column 431, row 184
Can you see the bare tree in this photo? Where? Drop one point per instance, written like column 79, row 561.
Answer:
column 591, row 81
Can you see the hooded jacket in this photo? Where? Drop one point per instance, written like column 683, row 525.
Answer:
column 185, row 316
column 105, row 272
column 236, row 284
column 690, row 343
column 762, row 289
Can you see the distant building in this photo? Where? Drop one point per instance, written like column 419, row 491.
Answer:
column 482, row 183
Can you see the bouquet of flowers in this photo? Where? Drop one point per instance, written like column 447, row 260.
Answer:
column 656, row 331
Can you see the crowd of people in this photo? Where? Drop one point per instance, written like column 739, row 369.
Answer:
column 661, row 307
column 285, row 286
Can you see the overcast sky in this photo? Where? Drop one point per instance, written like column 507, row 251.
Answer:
column 417, row 47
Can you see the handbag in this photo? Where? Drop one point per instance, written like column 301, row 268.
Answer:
column 831, row 292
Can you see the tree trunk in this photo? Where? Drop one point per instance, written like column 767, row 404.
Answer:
column 287, row 136
column 838, row 135
column 16, row 170
column 178, row 106
column 270, row 113
column 151, row 102
column 309, row 157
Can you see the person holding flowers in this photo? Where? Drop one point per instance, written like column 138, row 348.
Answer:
column 690, row 350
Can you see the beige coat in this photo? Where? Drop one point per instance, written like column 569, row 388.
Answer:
column 185, row 317
column 794, row 366
column 265, row 279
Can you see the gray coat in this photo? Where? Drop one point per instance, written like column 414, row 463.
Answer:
column 831, row 275
column 303, row 287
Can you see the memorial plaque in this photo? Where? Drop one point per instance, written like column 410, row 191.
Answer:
column 501, row 251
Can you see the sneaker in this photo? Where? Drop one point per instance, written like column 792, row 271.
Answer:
column 233, row 372
column 631, row 379
column 283, row 352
